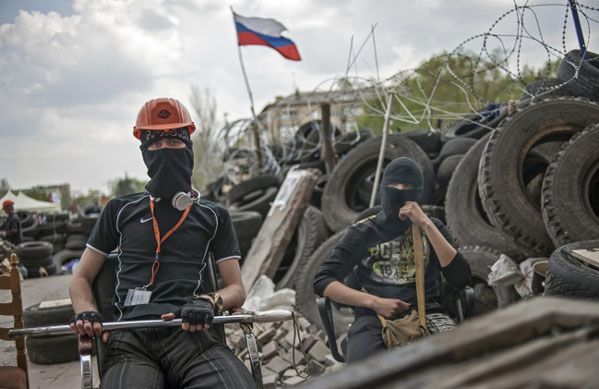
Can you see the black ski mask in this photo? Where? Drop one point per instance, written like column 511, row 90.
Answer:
column 169, row 169
column 405, row 171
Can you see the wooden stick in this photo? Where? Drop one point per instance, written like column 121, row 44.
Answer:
column 419, row 262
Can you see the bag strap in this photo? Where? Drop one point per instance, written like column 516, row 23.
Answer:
column 419, row 264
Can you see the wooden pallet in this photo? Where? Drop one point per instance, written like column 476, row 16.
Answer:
column 542, row 342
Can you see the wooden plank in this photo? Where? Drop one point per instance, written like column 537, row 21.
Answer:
column 328, row 152
column 276, row 232
column 5, row 282
column 490, row 333
column 6, row 309
column 526, row 360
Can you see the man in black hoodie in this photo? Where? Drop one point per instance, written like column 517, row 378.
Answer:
column 378, row 254
column 163, row 237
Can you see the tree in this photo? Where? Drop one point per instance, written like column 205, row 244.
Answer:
column 126, row 185
column 90, row 198
column 207, row 149
column 447, row 86
column 4, row 186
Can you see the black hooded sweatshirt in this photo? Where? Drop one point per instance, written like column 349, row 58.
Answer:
column 378, row 253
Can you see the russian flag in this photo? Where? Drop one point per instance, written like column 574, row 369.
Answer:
column 265, row 32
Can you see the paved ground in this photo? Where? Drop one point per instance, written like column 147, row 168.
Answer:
column 34, row 291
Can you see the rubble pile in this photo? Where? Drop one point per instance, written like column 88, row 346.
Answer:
column 278, row 349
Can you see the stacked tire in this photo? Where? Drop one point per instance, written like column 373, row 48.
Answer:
column 36, row 256
column 509, row 169
column 50, row 349
column 75, row 239
column 255, row 194
column 348, row 189
column 518, row 180
column 246, row 224
column 571, row 277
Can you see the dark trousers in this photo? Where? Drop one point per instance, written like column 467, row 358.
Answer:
column 364, row 337
column 171, row 358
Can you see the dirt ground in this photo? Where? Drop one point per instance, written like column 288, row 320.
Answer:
column 60, row 376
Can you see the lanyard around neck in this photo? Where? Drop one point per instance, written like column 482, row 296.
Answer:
column 160, row 241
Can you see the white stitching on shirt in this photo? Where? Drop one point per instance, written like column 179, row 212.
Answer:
column 118, row 281
column 205, row 251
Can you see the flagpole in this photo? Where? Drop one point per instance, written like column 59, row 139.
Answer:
column 251, row 95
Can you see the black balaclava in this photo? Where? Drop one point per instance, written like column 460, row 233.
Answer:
column 169, row 169
column 405, row 171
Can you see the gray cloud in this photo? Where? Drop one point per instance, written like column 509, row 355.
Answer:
column 70, row 86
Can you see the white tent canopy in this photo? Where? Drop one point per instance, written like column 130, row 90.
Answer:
column 26, row 203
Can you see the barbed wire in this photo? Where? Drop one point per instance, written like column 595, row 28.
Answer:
column 498, row 51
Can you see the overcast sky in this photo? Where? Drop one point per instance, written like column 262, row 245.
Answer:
column 74, row 73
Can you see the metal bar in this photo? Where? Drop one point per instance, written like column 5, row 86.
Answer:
column 578, row 28
column 259, row 317
column 379, row 165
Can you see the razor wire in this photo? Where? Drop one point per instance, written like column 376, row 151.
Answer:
column 500, row 51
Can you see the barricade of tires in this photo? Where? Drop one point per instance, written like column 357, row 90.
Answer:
column 50, row 349
column 36, row 256
column 77, row 233
column 569, row 276
column 50, row 245
column 515, row 179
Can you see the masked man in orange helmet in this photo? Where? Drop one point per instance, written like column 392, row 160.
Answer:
column 11, row 229
column 163, row 237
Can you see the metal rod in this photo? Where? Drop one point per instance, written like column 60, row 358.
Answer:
column 379, row 165
column 376, row 56
column 578, row 28
column 251, row 95
column 258, row 317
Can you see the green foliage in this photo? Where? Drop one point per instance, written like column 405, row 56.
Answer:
column 445, row 86
column 38, row 193
column 4, row 186
column 207, row 147
column 126, row 185
column 90, row 198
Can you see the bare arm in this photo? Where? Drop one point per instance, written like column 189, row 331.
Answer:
column 233, row 293
column 444, row 250
column 80, row 289
column 337, row 291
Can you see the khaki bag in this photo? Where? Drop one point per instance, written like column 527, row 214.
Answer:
column 400, row 332
column 409, row 328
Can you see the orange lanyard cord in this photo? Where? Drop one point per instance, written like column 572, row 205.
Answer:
column 159, row 240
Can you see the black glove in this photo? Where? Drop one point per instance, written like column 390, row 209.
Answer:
column 91, row 316
column 196, row 311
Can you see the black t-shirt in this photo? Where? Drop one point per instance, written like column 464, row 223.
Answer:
column 386, row 268
column 12, row 226
column 126, row 224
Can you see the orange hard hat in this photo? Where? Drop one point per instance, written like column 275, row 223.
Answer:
column 7, row 203
column 162, row 114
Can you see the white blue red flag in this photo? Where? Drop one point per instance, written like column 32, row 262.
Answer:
column 265, row 32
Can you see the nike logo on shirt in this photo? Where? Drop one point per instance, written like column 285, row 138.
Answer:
column 142, row 220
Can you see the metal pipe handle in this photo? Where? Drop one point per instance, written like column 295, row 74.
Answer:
column 257, row 317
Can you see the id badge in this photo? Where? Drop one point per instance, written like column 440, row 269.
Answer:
column 137, row 296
